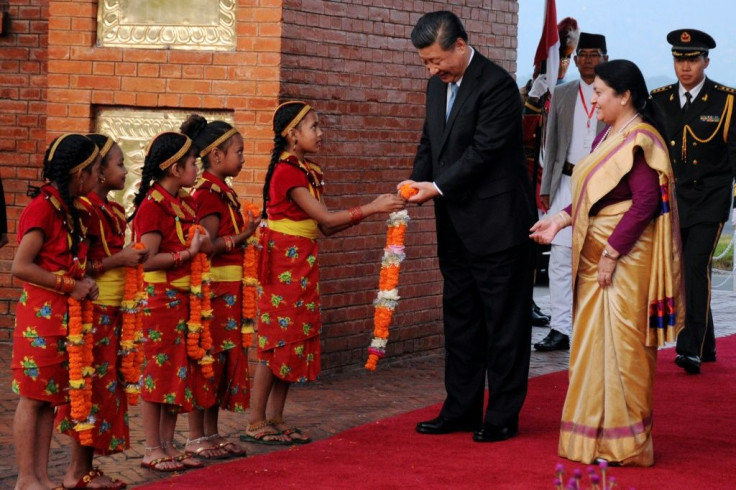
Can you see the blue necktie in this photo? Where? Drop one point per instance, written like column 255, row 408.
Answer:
column 453, row 93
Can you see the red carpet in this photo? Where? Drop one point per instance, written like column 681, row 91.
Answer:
column 694, row 441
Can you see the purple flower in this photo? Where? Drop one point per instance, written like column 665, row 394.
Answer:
column 577, row 474
column 595, row 479
column 559, row 468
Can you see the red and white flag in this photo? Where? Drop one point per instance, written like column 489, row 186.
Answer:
column 549, row 45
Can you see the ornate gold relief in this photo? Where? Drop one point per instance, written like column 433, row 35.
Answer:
column 175, row 24
column 133, row 129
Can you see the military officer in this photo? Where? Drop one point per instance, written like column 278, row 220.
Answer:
column 701, row 135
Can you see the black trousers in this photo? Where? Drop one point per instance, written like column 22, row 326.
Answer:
column 698, row 244
column 487, row 304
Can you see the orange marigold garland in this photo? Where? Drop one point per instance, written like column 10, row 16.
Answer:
column 134, row 300
column 251, row 260
column 79, row 347
column 388, row 294
column 199, row 339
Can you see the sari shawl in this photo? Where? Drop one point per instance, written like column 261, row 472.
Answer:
column 593, row 178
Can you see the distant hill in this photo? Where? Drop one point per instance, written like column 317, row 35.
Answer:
column 659, row 81
column 652, row 82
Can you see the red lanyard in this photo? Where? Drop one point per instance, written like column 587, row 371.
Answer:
column 585, row 106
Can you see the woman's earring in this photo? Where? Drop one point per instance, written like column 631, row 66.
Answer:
column 293, row 147
column 102, row 179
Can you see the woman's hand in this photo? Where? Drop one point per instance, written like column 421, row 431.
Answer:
column 388, row 203
column 545, row 230
column 198, row 241
column 131, row 257
column 606, row 267
column 252, row 225
column 85, row 288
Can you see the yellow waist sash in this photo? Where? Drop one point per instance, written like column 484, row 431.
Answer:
column 306, row 228
column 159, row 277
column 111, row 285
column 227, row 273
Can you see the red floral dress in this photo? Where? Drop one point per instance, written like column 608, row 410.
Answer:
column 106, row 237
column 213, row 196
column 290, row 322
column 169, row 376
column 40, row 362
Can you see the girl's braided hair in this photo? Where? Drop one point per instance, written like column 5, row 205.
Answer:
column 162, row 147
column 62, row 155
column 281, row 118
column 203, row 134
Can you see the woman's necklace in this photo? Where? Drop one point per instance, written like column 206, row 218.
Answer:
column 626, row 125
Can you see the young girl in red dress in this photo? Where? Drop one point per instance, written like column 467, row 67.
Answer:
column 218, row 211
column 106, row 262
column 164, row 212
column 290, row 322
column 50, row 261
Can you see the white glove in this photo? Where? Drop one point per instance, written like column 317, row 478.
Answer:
column 733, row 218
column 539, row 86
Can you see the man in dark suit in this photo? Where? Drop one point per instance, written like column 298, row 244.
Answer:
column 700, row 127
column 470, row 160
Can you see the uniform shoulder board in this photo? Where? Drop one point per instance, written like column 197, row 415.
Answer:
column 723, row 88
column 662, row 89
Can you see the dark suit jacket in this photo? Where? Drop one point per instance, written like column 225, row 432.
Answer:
column 706, row 165
column 477, row 159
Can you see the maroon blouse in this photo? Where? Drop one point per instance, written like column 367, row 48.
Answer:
column 641, row 185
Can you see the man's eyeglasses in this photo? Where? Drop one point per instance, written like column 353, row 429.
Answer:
column 589, row 55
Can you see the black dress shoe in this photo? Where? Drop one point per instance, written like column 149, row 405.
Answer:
column 691, row 364
column 493, row 433
column 442, row 425
column 539, row 319
column 553, row 341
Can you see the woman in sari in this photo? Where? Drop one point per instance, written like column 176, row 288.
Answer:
column 627, row 295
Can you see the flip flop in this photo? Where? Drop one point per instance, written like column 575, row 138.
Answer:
column 182, row 458
column 236, row 451
column 90, row 476
column 153, row 465
column 296, row 430
column 260, row 438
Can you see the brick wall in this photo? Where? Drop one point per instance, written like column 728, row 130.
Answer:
column 22, row 125
column 362, row 75
column 354, row 62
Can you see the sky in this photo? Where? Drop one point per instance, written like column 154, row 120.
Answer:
column 637, row 30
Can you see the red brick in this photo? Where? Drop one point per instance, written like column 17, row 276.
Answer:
column 142, row 85
column 148, row 70
column 94, row 82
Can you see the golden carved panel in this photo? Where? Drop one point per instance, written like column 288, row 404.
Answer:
column 133, row 129
column 175, row 24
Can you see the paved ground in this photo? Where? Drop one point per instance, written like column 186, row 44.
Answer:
column 326, row 407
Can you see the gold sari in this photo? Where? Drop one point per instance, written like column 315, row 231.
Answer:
column 616, row 330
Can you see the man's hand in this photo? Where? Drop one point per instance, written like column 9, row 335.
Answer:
column 425, row 191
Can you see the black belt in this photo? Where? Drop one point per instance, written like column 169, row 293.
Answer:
column 567, row 168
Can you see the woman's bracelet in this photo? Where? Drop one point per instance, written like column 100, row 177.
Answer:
column 65, row 284
column 356, row 215
column 229, row 243
column 608, row 254
column 96, row 267
column 563, row 219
